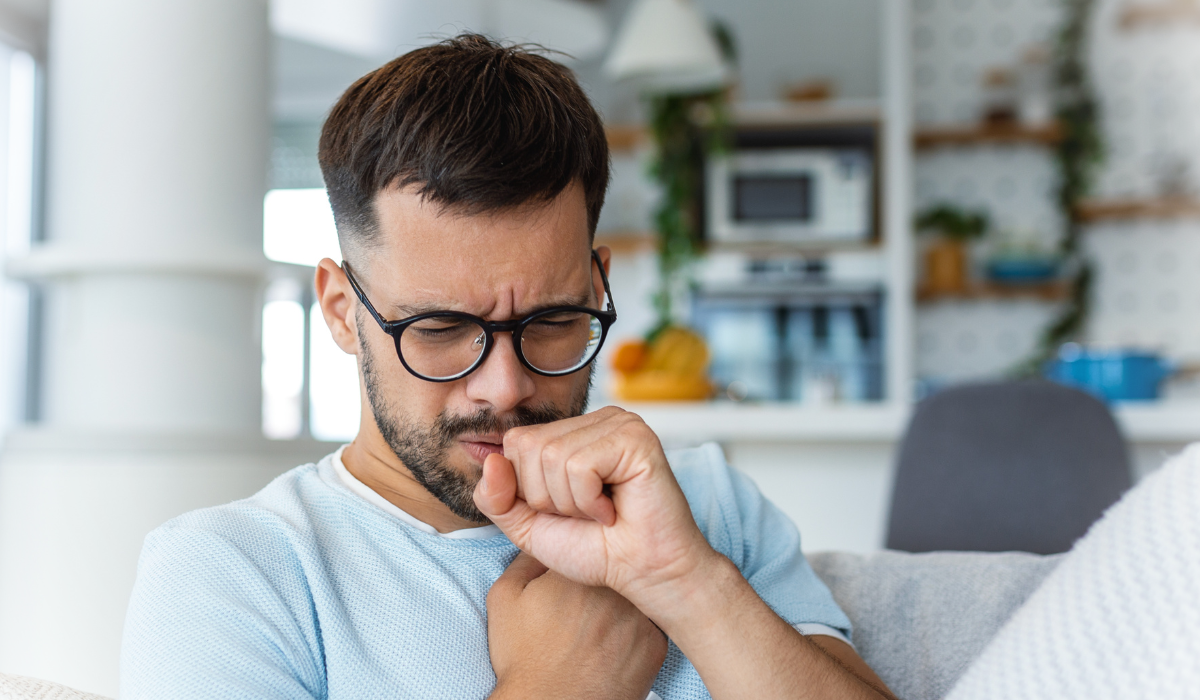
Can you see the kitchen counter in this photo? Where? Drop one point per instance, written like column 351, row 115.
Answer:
column 692, row 422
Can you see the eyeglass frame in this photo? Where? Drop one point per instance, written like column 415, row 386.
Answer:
column 395, row 329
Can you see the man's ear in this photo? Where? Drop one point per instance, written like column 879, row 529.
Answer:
column 338, row 305
column 605, row 255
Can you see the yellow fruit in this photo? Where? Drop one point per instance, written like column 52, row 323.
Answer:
column 678, row 350
column 655, row 385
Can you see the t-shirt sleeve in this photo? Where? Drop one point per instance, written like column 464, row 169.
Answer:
column 756, row 536
column 206, row 621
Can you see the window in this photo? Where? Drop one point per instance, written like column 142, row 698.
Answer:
column 18, row 133
column 310, row 387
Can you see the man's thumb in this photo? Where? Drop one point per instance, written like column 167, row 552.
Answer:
column 496, row 497
column 496, row 491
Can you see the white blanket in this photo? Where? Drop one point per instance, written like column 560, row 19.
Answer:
column 22, row 688
column 1120, row 616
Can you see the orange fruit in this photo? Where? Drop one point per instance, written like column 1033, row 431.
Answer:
column 629, row 356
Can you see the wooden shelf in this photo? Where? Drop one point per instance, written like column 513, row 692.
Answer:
column 978, row 134
column 627, row 242
column 1116, row 209
column 1045, row 291
column 624, row 138
column 1166, row 12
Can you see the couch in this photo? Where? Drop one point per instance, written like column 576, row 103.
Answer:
column 919, row 619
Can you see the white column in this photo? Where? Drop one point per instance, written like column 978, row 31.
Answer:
column 896, row 77
column 158, row 135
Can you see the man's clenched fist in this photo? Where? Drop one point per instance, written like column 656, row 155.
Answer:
column 593, row 498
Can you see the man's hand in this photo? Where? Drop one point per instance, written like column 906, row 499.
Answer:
column 551, row 637
column 594, row 499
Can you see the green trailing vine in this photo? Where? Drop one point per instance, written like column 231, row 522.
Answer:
column 1077, row 156
column 686, row 128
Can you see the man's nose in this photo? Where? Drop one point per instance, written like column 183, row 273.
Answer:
column 501, row 382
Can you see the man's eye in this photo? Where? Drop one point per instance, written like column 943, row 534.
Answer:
column 439, row 330
column 555, row 322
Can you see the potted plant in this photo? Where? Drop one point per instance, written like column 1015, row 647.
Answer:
column 946, row 266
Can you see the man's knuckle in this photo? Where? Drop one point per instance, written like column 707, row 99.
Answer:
column 577, row 465
column 523, row 440
column 553, row 452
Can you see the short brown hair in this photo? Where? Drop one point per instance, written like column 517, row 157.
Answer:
column 478, row 125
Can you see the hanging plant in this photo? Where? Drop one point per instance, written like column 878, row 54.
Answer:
column 686, row 130
column 1078, row 157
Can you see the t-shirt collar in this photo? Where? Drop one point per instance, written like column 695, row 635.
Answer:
column 368, row 494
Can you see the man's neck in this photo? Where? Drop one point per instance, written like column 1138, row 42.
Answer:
column 376, row 466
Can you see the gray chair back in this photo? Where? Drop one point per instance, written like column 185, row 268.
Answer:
column 1013, row 466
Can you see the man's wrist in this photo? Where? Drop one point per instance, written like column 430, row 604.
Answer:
column 681, row 601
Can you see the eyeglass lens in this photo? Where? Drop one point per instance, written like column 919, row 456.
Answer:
column 557, row 342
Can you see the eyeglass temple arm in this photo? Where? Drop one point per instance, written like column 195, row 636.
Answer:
column 362, row 296
column 612, row 307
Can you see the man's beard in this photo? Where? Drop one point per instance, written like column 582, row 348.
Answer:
column 425, row 451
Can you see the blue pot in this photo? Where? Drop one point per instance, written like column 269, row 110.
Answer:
column 1023, row 270
column 1112, row 375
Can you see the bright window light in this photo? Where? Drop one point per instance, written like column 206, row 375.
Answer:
column 282, row 368
column 17, row 144
column 333, row 386
column 298, row 227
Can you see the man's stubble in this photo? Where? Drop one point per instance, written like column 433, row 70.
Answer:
column 424, row 450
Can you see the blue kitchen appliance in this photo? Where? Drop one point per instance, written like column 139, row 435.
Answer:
column 1110, row 374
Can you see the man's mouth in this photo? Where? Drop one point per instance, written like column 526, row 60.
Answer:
column 480, row 446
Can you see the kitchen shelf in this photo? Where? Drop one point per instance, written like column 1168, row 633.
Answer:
column 683, row 423
column 627, row 242
column 693, row 422
column 1044, row 291
column 1161, row 208
column 979, row 134
column 625, row 138
column 1137, row 14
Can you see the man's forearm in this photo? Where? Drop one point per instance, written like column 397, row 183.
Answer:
column 741, row 648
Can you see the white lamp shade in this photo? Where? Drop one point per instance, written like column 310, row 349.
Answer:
column 666, row 45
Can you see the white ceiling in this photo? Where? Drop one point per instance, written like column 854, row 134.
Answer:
column 322, row 46
column 382, row 29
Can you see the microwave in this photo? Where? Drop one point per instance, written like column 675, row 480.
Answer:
column 804, row 196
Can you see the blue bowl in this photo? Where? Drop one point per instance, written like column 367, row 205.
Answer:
column 1112, row 375
column 1022, row 271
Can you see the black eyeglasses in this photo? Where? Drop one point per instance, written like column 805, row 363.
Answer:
column 442, row 346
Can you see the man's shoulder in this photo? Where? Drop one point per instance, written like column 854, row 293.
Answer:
column 284, row 510
column 722, row 500
column 699, row 470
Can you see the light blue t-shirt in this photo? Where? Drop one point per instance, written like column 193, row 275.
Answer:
column 309, row 590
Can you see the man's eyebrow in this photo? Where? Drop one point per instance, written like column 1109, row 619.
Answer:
column 402, row 311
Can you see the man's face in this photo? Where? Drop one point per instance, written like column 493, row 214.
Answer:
column 498, row 266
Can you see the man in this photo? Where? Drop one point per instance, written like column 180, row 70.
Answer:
column 466, row 180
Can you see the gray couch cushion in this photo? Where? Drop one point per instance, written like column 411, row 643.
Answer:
column 920, row 619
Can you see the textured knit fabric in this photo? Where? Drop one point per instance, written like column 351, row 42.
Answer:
column 23, row 688
column 1120, row 616
column 306, row 590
